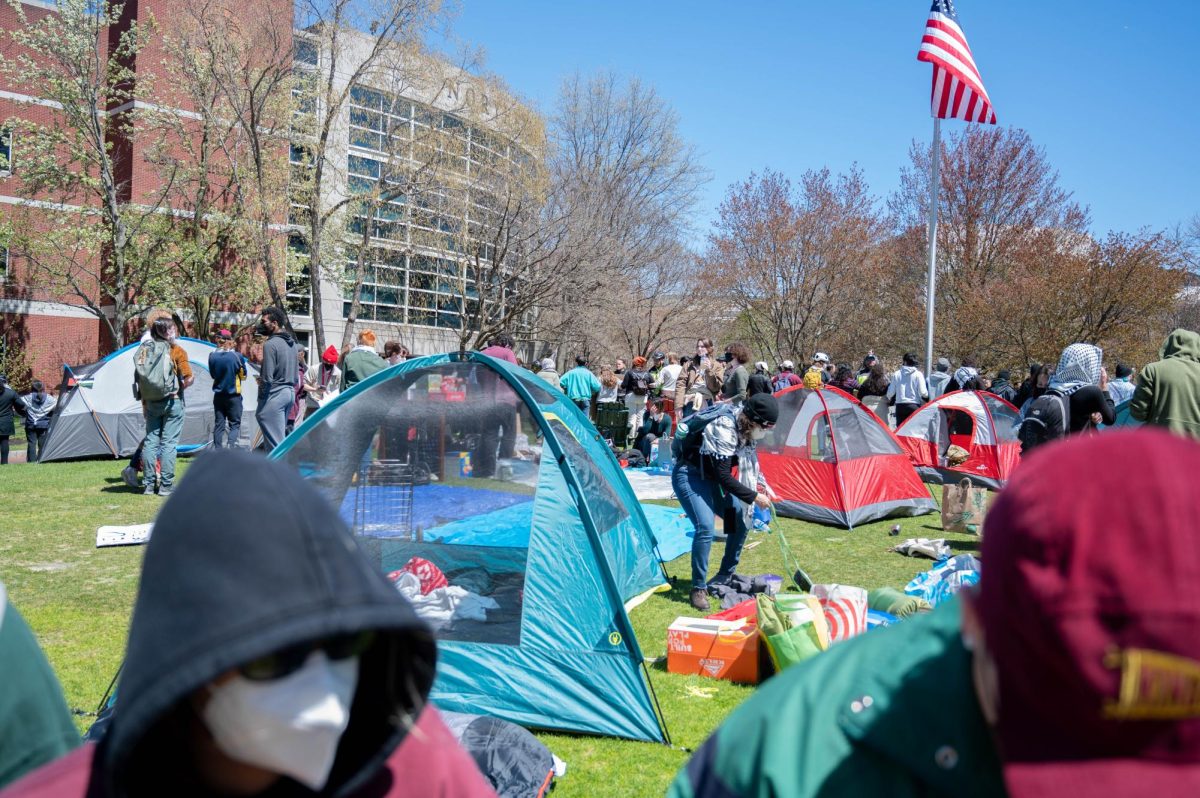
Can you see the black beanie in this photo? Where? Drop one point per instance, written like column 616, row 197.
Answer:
column 761, row 408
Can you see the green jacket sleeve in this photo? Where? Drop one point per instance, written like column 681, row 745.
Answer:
column 35, row 725
column 1139, row 405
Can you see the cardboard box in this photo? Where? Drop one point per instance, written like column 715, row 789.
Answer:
column 714, row 648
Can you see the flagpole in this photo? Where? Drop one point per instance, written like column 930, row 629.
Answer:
column 931, row 277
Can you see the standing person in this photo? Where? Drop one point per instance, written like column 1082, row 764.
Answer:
column 227, row 367
column 864, row 372
column 1081, row 377
column 163, row 374
column 580, row 384
column 323, row 379
column 609, row 384
column 1121, row 388
column 549, row 372
column 39, row 406
column 699, row 382
column 760, row 380
column 939, row 379
column 296, row 411
column 277, row 377
column 292, row 669
column 635, row 386
column 820, row 362
column 656, row 365
column 394, row 353
column 1039, row 382
column 362, row 361
column 907, row 389
column 1168, row 390
column 844, row 379
column 35, row 723
column 1065, row 671
column 876, row 383
column 1002, row 387
column 737, row 376
column 10, row 403
column 787, row 377
column 1025, row 390
column 704, row 482
column 656, row 426
column 963, row 373
column 667, row 378
column 499, row 423
column 619, row 368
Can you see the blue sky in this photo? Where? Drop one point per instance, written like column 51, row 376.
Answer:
column 1110, row 89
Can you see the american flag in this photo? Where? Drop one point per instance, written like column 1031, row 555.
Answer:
column 958, row 91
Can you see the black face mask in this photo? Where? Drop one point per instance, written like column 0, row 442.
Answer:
column 261, row 329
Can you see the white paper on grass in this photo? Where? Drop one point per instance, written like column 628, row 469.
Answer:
column 132, row 535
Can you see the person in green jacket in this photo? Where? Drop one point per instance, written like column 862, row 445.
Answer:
column 1168, row 390
column 1072, row 668
column 362, row 361
column 35, row 724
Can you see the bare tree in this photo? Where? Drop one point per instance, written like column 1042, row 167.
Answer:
column 351, row 41
column 795, row 262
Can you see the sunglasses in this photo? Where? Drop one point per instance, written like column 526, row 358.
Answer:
column 287, row 661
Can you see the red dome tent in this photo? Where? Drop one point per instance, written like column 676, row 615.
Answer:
column 831, row 460
column 982, row 423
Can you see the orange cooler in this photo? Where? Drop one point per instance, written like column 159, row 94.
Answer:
column 715, row 648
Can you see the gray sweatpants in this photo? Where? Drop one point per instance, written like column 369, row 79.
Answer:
column 273, row 407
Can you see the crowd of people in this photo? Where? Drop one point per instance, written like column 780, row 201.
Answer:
column 1073, row 662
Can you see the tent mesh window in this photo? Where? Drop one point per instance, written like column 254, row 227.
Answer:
column 425, row 469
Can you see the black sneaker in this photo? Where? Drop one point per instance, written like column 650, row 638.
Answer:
column 700, row 599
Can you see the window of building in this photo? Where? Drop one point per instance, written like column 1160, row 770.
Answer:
column 298, row 288
column 382, row 295
column 6, row 138
column 305, row 51
column 3, row 264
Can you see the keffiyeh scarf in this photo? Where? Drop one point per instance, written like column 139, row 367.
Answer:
column 1078, row 367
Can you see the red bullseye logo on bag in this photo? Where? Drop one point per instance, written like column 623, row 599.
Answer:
column 845, row 609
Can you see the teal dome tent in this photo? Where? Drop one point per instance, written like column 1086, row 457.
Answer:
column 502, row 500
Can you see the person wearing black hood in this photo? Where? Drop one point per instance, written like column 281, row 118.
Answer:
column 278, row 376
column 265, row 659
column 39, row 406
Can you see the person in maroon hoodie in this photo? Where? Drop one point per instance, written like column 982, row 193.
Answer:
column 267, row 657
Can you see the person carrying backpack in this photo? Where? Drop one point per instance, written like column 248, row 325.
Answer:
column 635, row 385
column 708, row 445
column 1077, row 399
column 162, row 374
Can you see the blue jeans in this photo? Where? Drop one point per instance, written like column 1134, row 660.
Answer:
column 164, row 424
column 701, row 502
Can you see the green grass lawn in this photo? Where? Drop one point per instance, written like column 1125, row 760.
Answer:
column 78, row 599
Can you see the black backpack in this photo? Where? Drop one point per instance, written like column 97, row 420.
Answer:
column 1048, row 419
column 689, row 433
column 641, row 383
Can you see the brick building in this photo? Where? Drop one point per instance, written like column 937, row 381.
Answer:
column 416, row 291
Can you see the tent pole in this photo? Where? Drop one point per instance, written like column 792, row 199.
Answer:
column 931, row 276
column 95, row 418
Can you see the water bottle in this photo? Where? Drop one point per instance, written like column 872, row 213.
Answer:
column 653, row 452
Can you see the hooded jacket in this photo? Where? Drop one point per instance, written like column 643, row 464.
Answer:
column 226, row 582
column 35, row 724
column 1168, row 390
column 280, row 366
column 907, row 386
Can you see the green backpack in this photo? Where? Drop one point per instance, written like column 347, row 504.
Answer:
column 154, row 371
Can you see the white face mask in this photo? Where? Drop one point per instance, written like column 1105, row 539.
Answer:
column 758, row 433
column 290, row 725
